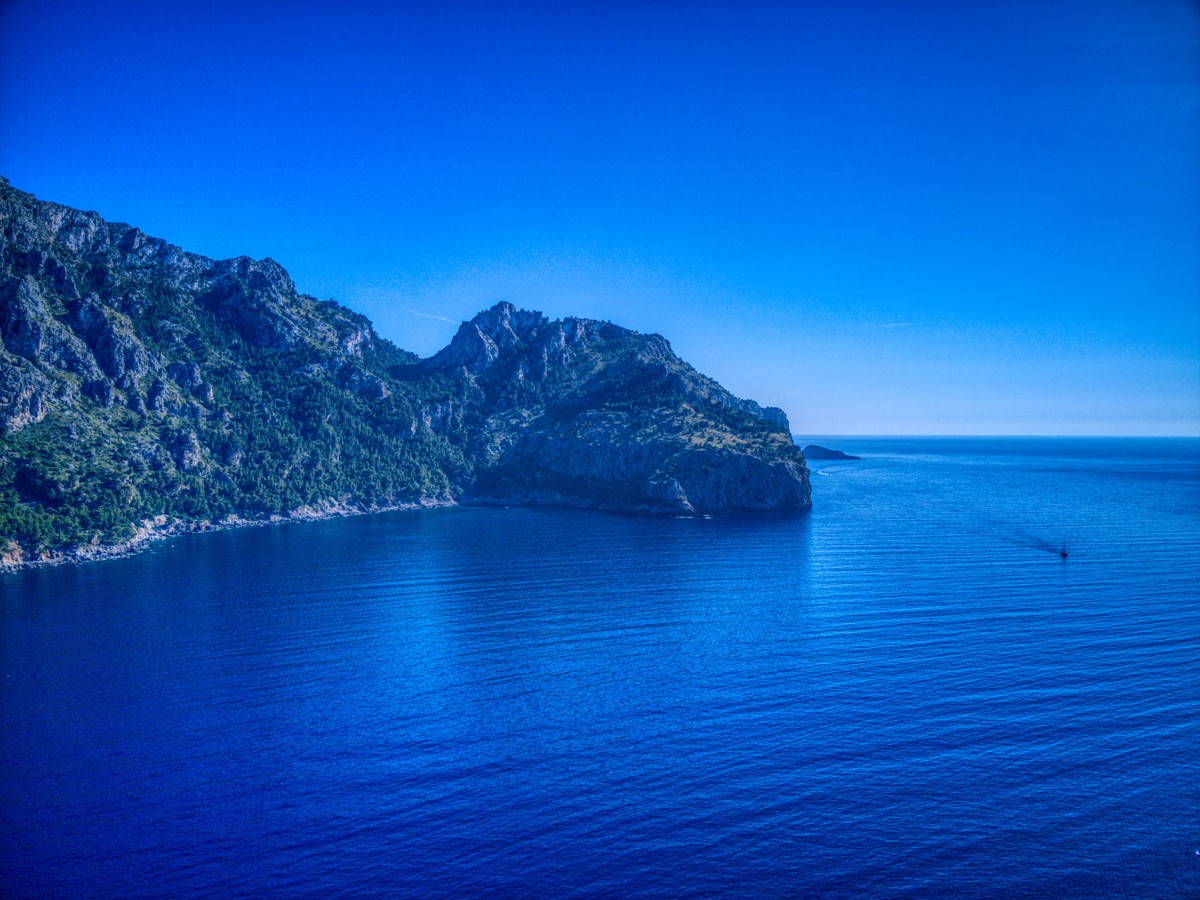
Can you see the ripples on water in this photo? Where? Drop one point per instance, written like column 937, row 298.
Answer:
column 905, row 692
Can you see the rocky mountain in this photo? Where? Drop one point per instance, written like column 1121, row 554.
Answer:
column 144, row 390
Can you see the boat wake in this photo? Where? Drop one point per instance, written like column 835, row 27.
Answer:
column 1019, row 537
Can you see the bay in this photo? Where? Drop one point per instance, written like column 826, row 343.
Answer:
column 904, row 692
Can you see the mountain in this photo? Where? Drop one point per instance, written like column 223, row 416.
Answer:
column 146, row 390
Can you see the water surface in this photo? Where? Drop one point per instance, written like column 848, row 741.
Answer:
column 905, row 692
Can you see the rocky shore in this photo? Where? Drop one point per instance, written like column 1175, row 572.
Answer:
column 160, row 528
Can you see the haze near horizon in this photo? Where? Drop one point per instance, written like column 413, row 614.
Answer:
column 957, row 219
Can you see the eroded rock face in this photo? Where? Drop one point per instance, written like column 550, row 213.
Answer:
column 110, row 337
column 81, row 296
column 25, row 395
column 30, row 329
column 587, row 413
column 256, row 297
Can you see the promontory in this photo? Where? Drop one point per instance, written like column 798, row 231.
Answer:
column 145, row 390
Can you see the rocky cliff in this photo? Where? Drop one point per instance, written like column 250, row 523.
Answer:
column 143, row 384
column 816, row 451
column 588, row 413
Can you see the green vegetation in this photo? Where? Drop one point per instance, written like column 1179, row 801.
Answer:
column 276, row 441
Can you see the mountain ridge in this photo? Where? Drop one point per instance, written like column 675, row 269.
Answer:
column 145, row 389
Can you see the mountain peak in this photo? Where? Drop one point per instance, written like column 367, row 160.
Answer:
column 509, row 326
column 491, row 334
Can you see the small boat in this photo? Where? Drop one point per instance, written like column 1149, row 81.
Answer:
column 1063, row 551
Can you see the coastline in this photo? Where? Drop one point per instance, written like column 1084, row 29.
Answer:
column 163, row 527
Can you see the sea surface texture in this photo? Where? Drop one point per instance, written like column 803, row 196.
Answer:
column 906, row 692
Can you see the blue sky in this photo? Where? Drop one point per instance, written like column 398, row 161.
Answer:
column 902, row 217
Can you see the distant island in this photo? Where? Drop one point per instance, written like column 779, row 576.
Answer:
column 816, row 451
column 147, row 391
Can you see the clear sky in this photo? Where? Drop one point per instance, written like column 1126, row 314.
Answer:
column 894, row 217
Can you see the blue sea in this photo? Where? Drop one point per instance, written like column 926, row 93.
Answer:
column 905, row 692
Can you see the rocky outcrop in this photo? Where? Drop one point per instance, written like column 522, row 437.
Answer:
column 255, row 297
column 25, row 394
column 600, row 464
column 80, row 296
column 816, row 451
column 587, row 413
column 110, row 337
column 29, row 329
column 500, row 332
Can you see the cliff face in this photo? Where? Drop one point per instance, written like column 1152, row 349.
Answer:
column 101, row 309
column 139, row 381
column 588, row 413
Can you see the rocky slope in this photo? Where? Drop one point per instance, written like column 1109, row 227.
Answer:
column 588, row 413
column 143, row 385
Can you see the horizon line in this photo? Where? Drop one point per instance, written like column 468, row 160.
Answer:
column 1184, row 437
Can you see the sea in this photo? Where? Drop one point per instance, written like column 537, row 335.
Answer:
column 905, row 692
